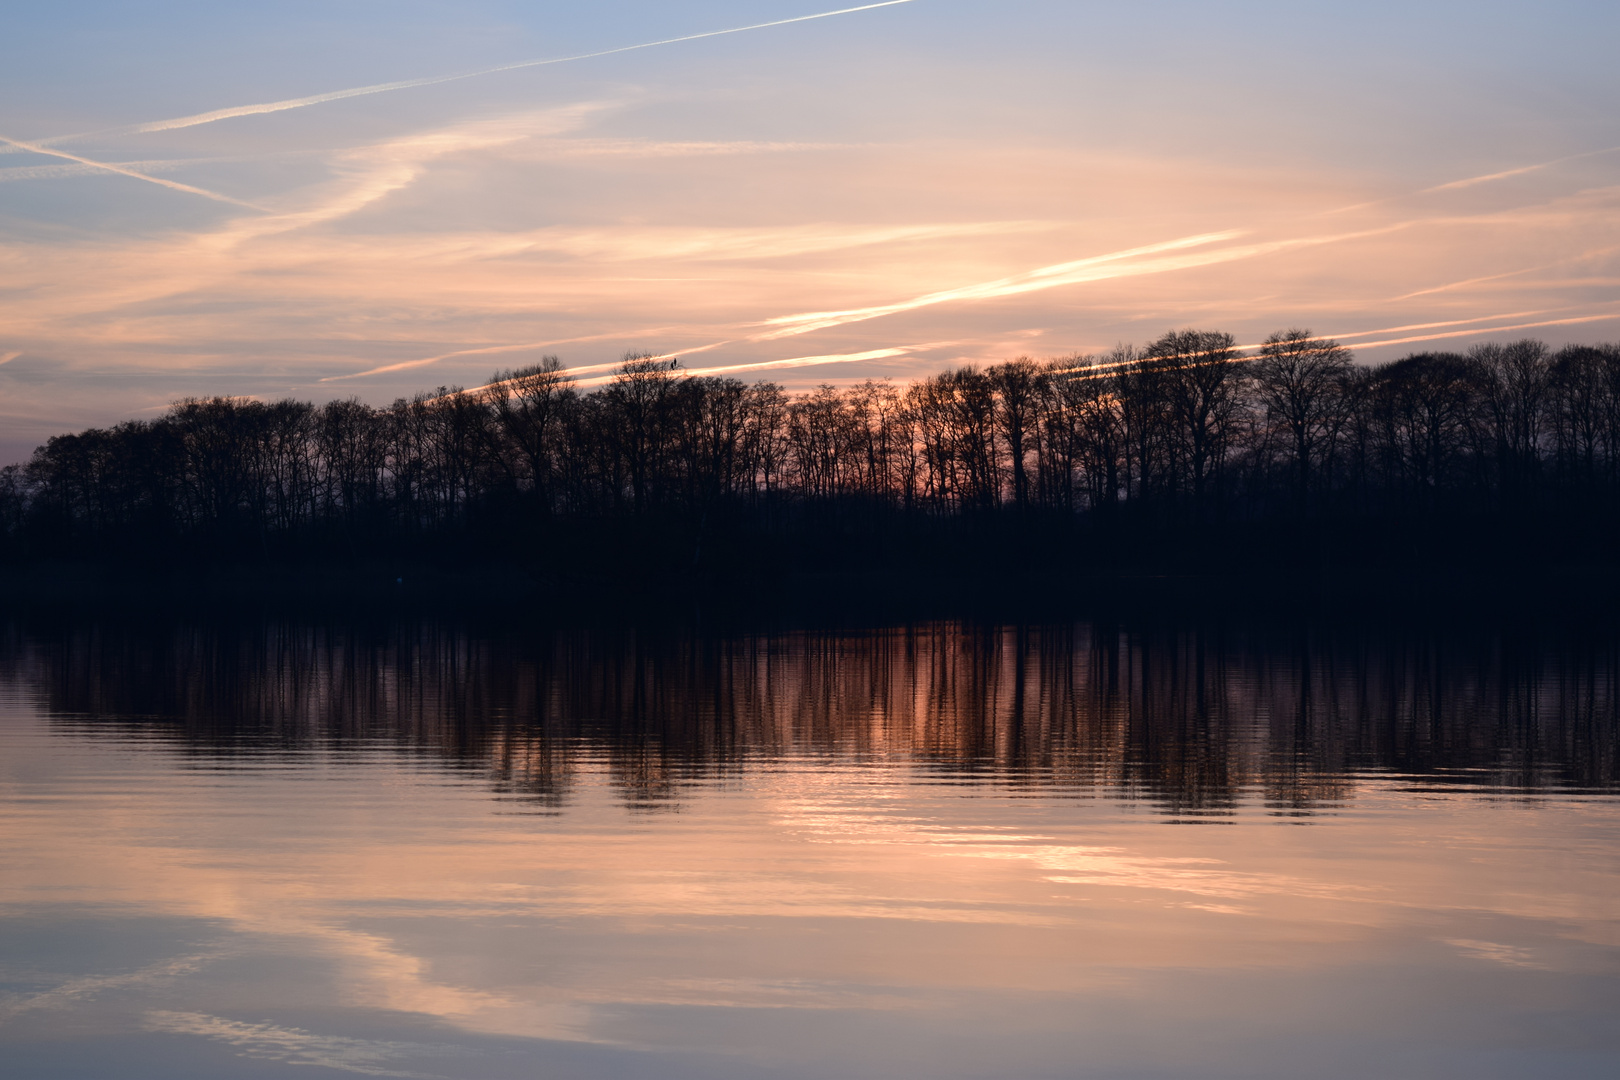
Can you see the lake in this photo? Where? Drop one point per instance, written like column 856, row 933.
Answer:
column 418, row 848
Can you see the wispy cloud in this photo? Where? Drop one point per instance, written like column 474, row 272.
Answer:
column 367, row 174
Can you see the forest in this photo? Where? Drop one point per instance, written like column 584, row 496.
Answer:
column 1188, row 454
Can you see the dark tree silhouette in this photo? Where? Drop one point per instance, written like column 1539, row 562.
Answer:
column 1171, row 455
column 1299, row 383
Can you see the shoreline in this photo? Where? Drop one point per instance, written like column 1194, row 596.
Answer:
column 891, row 595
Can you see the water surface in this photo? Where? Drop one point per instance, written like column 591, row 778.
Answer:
column 417, row 849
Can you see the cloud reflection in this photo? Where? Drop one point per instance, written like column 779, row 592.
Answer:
column 532, row 837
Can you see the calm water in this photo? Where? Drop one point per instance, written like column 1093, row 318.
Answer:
column 940, row 851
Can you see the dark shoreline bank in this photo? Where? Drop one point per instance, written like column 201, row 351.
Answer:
column 385, row 589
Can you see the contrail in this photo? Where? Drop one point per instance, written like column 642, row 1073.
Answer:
column 405, row 365
column 35, row 148
column 1503, row 175
column 1473, row 281
column 1126, row 263
column 1165, row 257
column 526, row 346
column 71, row 169
column 811, row 361
column 1438, row 325
column 790, row 362
column 598, row 370
column 1511, row 273
column 145, row 167
column 1336, row 338
column 1045, row 277
column 1486, row 330
column 1468, row 182
column 435, row 80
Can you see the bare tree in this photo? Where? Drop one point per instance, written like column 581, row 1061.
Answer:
column 1017, row 384
column 1578, row 392
column 529, row 403
column 1514, row 380
column 1299, row 382
column 637, row 399
column 1426, row 409
column 1201, row 374
column 767, row 406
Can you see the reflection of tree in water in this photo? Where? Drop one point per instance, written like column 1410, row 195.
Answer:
column 1190, row 718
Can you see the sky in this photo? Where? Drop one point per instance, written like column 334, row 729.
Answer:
column 883, row 192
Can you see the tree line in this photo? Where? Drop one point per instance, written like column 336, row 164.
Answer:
column 1188, row 444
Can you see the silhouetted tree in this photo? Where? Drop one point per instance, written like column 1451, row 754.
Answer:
column 530, row 404
column 1513, row 382
column 1425, row 412
column 1200, row 375
column 1299, row 382
column 1138, row 454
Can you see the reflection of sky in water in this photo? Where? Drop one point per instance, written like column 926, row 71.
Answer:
column 174, row 910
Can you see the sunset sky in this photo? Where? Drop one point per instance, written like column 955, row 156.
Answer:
column 883, row 192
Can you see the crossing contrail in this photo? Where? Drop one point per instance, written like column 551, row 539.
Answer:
column 37, row 148
column 435, row 80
